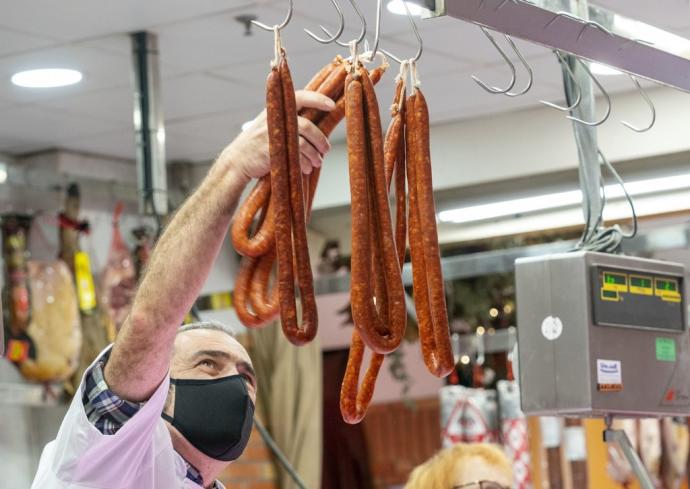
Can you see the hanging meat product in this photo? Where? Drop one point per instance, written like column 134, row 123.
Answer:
column 118, row 282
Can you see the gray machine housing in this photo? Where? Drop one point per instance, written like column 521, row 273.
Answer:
column 568, row 319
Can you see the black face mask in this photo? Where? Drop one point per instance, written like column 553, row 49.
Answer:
column 214, row 415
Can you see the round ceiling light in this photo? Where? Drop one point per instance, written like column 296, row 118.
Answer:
column 398, row 7
column 46, row 78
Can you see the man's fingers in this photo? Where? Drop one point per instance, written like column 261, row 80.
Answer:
column 311, row 154
column 311, row 132
column 315, row 100
column 305, row 164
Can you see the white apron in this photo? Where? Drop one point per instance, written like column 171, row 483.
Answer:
column 139, row 456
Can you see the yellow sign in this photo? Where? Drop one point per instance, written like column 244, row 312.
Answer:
column 84, row 280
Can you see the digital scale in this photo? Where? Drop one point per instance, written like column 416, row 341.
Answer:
column 602, row 335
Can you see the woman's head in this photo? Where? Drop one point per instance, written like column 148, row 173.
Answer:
column 462, row 465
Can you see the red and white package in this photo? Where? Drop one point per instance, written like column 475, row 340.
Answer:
column 468, row 415
column 118, row 282
column 514, row 433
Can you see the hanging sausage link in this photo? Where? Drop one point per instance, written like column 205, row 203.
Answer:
column 379, row 315
column 427, row 279
column 288, row 207
column 259, row 303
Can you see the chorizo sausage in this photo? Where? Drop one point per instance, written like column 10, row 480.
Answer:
column 297, row 230
column 371, row 225
column 426, row 263
column 262, row 240
column 394, row 163
column 240, row 299
column 355, row 400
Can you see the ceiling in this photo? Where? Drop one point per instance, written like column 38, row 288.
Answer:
column 213, row 75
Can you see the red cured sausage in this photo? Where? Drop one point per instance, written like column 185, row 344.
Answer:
column 380, row 318
column 296, row 234
column 354, row 400
column 262, row 240
column 427, row 278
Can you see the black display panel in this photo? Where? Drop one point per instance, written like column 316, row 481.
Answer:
column 638, row 299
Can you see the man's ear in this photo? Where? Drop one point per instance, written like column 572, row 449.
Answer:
column 169, row 406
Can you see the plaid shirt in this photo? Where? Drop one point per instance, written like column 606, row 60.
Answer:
column 108, row 413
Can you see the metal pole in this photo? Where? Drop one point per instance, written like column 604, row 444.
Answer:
column 585, row 136
column 148, row 125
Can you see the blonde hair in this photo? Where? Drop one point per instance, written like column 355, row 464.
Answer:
column 439, row 471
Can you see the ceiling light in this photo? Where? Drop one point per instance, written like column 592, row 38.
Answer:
column 398, row 7
column 46, row 78
column 3, row 172
column 516, row 207
column 602, row 69
column 247, row 125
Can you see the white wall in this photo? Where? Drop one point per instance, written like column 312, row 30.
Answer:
column 529, row 142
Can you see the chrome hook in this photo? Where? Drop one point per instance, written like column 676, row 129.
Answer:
column 362, row 34
column 651, row 107
column 527, row 66
column 507, row 60
column 420, row 43
column 338, row 33
column 603, row 91
column 280, row 26
column 578, row 99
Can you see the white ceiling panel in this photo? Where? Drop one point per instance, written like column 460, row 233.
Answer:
column 12, row 42
column 118, row 143
column 79, row 19
column 218, row 129
column 32, row 125
column 182, row 146
column 100, row 70
column 220, row 41
column 113, row 105
column 672, row 14
column 196, row 94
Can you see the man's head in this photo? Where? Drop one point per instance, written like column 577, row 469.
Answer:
column 212, row 380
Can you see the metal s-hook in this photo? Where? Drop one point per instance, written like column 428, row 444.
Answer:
column 420, row 43
column 527, row 66
column 651, row 107
column 338, row 33
column 280, row 26
column 603, row 91
column 507, row 60
column 578, row 99
column 362, row 34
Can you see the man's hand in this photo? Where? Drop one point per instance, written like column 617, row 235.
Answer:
column 250, row 149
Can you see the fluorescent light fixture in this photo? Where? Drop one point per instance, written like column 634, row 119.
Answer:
column 46, row 78
column 3, row 172
column 527, row 205
column 602, row 69
column 247, row 125
column 397, row 7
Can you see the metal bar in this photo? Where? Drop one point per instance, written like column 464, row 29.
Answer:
column 625, row 44
column 148, row 125
column 503, row 261
column 621, row 438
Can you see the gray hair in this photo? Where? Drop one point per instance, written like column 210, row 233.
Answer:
column 212, row 325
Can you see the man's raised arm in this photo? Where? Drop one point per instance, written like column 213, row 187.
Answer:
column 185, row 253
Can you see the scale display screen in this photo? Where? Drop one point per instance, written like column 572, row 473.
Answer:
column 638, row 299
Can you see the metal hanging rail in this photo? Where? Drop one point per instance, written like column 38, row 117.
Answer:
column 607, row 37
